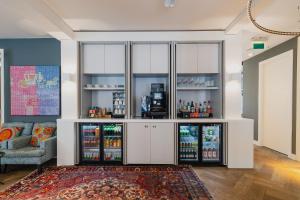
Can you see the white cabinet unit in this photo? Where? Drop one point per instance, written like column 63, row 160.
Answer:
column 150, row 58
column 114, row 59
column 138, row 143
column 93, row 58
column 159, row 58
column 103, row 58
column 162, row 143
column 197, row 58
column 208, row 58
column 186, row 58
column 150, row 143
column 141, row 58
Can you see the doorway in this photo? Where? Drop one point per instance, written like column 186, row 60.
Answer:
column 275, row 103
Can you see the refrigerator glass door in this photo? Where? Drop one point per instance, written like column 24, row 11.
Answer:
column 188, row 138
column 90, row 142
column 112, row 142
column 211, row 140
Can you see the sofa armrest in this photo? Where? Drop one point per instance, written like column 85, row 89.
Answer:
column 18, row 142
column 50, row 146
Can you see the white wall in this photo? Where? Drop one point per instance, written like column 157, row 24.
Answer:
column 233, row 61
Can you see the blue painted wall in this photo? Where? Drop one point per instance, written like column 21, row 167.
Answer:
column 44, row 51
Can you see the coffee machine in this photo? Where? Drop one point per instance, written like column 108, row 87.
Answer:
column 158, row 105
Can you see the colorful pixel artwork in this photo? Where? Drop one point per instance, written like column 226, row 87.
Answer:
column 35, row 90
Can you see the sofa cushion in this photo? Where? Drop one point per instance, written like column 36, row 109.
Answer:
column 45, row 124
column 27, row 126
column 24, row 152
column 9, row 133
column 40, row 134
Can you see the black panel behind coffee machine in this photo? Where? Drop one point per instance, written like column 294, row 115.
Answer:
column 155, row 105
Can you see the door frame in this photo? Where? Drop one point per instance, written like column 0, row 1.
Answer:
column 260, row 104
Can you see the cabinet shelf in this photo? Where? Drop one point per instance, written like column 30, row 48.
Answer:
column 105, row 89
column 197, row 88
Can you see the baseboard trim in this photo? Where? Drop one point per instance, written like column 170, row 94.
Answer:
column 255, row 142
column 292, row 156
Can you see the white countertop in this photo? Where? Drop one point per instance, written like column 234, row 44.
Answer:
column 202, row 120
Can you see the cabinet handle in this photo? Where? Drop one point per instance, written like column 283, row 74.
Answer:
column 153, row 126
column 146, row 126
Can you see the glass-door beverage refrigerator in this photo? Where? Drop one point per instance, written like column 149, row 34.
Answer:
column 101, row 143
column 200, row 143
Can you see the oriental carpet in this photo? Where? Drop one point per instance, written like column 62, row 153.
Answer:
column 110, row 183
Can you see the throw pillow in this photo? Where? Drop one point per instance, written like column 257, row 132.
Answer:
column 40, row 134
column 9, row 133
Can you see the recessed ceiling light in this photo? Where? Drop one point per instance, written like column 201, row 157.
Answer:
column 170, row 3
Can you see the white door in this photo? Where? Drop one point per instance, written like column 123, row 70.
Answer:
column 93, row 58
column 162, row 143
column 159, row 58
column 138, row 143
column 186, row 58
column 275, row 102
column 208, row 58
column 141, row 58
column 115, row 59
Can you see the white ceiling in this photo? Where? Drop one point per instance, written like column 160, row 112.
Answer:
column 147, row 14
column 42, row 18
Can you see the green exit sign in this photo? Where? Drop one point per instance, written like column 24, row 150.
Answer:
column 258, row 45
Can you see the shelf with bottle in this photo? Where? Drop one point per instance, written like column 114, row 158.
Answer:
column 112, row 155
column 91, row 155
column 119, row 105
column 194, row 110
column 188, row 154
column 210, row 152
column 112, row 143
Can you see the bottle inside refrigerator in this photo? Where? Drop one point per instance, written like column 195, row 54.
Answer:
column 211, row 142
column 90, row 142
column 112, row 142
column 188, row 142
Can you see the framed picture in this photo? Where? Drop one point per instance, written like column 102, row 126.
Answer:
column 35, row 90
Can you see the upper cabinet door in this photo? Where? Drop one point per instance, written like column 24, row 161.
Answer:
column 159, row 58
column 93, row 58
column 141, row 58
column 115, row 59
column 208, row 58
column 186, row 58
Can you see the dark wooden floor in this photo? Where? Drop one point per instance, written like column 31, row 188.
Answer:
column 275, row 177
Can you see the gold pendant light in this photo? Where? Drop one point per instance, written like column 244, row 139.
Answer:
column 249, row 10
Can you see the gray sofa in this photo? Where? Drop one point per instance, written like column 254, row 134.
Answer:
column 19, row 150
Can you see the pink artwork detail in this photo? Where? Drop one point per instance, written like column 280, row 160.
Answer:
column 24, row 99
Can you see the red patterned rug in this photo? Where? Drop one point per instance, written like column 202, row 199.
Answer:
column 110, row 183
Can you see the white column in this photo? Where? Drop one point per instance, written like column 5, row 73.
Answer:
column 232, row 81
column 69, row 79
